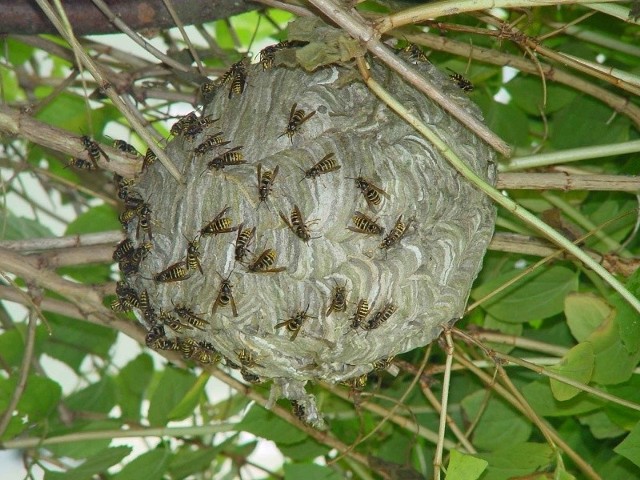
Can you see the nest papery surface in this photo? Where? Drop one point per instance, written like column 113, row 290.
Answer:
column 427, row 274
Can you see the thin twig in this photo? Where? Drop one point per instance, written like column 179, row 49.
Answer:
column 36, row 296
column 487, row 380
column 618, row 103
column 109, row 90
column 572, row 155
column 363, row 31
column 176, row 18
column 124, row 28
column 450, row 7
column 437, row 458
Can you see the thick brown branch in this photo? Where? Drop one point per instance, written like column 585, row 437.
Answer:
column 26, row 18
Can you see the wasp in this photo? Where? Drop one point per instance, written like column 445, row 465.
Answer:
column 267, row 54
column 144, row 220
column 192, row 318
column 210, row 143
column 130, row 264
column 382, row 364
column 172, row 322
column 206, row 357
column 327, row 164
column 237, row 73
column 188, row 347
column 207, row 89
column 155, row 333
column 167, row 344
column 143, row 301
column 357, row 383
column 220, row 224
column 194, row 129
column 243, row 240
column 380, row 317
column 263, row 263
column 246, row 358
column 249, row 377
column 372, row 193
column 362, row 310
column 298, row 410
column 365, row 224
column 193, row 255
column 123, row 186
column 225, row 297
column 149, row 159
column 296, row 118
column 125, row 147
column 177, row 272
column 265, row 181
column 297, row 224
column 395, row 235
column 181, row 126
column 461, row 82
column 127, row 215
column 294, row 323
column 81, row 164
column 338, row 300
column 416, row 55
column 233, row 156
column 93, row 149
column 123, row 250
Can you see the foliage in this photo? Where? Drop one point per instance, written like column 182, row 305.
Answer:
column 560, row 317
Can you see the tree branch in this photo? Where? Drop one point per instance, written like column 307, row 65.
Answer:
column 26, row 18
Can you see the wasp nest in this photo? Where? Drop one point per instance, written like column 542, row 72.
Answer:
column 317, row 234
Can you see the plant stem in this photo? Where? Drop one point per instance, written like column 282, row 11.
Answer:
column 572, row 155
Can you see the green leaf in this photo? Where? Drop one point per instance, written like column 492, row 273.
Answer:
column 499, row 423
column 601, row 425
column 508, row 328
column 517, row 460
column 526, row 93
column 265, row 424
column 188, row 461
column 98, row 397
column 464, row 467
column 11, row 347
column 39, row 398
column 308, row 449
column 585, row 312
column 508, row 122
column 97, row 219
column 630, row 446
column 97, row 464
column 13, row 227
column 568, row 128
column 537, row 296
column 66, row 111
column 309, row 471
column 172, row 387
column 613, row 363
column 17, row 52
column 190, row 400
column 150, row 466
column 132, row 384
column 628, row 322
column 539, row 396
column 72, row 340
column 577, row 364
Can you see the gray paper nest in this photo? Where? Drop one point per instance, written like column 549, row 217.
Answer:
column 426, row 275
